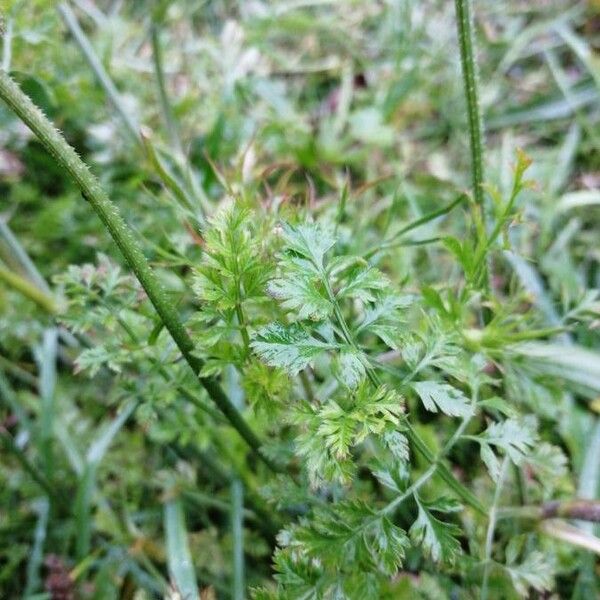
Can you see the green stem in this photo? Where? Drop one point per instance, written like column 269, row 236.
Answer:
column 489, row 537
column 466, row 38
column 122, row 235
column 394, row 240
column 165, row 106
column 29, row 290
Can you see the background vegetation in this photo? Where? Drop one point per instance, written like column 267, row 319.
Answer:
column 416, row 357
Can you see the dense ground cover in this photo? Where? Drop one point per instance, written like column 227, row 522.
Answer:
column 340, row 367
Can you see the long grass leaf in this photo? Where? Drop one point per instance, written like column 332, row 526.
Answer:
column 179, row 558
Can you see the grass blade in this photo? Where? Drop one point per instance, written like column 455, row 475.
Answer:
column 37, row 552
column 237, row 534
column 181, row 567
column 102, row 76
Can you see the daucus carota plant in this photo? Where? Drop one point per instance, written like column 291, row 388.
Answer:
column 320, row 409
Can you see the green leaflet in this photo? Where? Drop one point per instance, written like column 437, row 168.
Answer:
column 515, row 438
column 290, row 347
column 352, row 535
column 310, row 240
column 534, row 572
column 385, row 320
column 301, row 291
column 336, row 427
column 437, row 538
column 350, row 367
column 443, row 397
column 370, row 413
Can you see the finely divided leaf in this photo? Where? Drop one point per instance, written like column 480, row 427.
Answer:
column 303, row 293
column 290, row 347
column 397, row 444
column 350, row 367
column 442, row 396
column 385, row 321
column 310, row 240
column 436, row 537
column 362, row 283
column 534, row 572
column 514, row 437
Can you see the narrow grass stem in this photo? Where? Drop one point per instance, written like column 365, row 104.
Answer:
column 102, row 76
column 489, row 537
column 122, row 235
column 45, row 301
column 165, row 105
column 237, row 535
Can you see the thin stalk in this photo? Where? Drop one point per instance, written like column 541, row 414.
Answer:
column 237, row 534
column 29, row 290
column 15, row 255
column 124, row 238
column 102, row 76
column 394, row 240
column 441, row 469
column 466, row 39
column 489, row 537
column 584, row 510
column 165, row 105
column 184, row 391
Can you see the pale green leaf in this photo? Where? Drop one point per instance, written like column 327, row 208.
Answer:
column 443, row 397
column 310, row 240
column 437, row 538
column 290, row 347
column 179, row 558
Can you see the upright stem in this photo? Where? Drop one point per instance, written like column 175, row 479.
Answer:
column 489, row 536
column 464, row 14
column 165, row 106
column 56, row 145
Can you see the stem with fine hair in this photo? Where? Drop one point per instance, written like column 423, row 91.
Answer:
column 127, row 243
column 466, row 39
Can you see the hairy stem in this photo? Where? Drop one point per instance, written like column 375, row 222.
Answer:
column 466, row 38
column 122, row 235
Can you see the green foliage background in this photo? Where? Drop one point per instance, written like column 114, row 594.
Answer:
column 426, row 375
